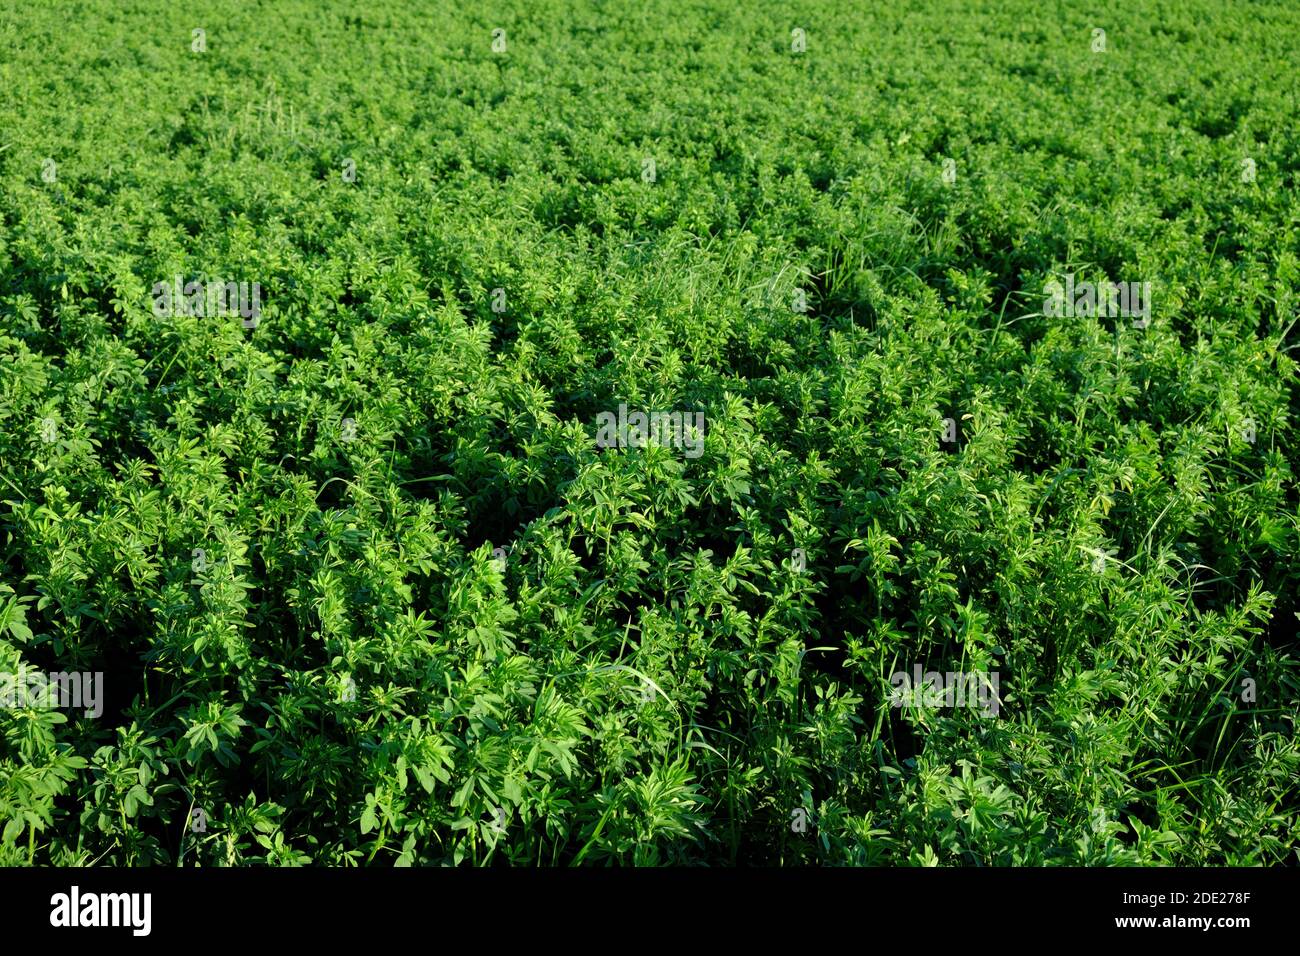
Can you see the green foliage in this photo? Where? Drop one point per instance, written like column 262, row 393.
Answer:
column 347, row 675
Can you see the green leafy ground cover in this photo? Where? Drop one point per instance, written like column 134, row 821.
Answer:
column 679, row 660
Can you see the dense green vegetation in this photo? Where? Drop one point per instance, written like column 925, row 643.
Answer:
column 275, row 540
